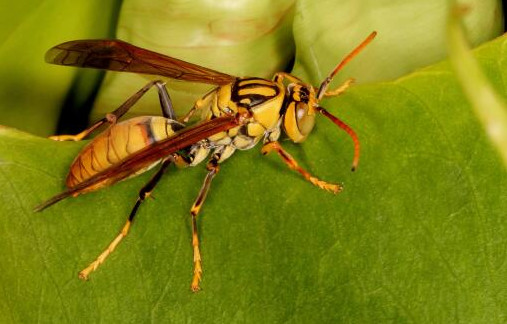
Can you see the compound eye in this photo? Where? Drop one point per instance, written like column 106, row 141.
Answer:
column 299, row 121
column 305, row 120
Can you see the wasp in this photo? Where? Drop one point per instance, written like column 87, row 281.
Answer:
column 237, row 114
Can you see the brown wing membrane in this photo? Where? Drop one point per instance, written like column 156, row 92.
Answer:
column 117, row 55
column 147, row 157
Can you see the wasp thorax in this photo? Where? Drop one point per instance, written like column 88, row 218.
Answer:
column 299, row 117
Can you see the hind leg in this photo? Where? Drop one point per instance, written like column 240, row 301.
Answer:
column 213, row 169
column 143, row 193
column 112, row 117
column 220, row 155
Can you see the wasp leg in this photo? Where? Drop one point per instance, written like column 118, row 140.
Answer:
column 341, row 89
column 279, row 76
column 143, row 193
column 292, row 163
column 199, row 104
column 213, row 169
column 112, row 117
column 166, row 103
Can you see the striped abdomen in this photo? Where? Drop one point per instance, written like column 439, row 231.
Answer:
column 118, row 142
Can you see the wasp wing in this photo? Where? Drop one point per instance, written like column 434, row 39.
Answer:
column 118, row 55
column 146, row 157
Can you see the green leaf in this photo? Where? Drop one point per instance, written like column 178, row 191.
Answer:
column 410, row 35
column 31, row 91
column 417, row 236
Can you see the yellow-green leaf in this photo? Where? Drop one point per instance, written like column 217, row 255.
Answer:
column 417, row 236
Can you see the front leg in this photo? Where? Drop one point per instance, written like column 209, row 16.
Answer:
column 280, row 76
column 213, row 169
column 292, row 163
column 341, row 89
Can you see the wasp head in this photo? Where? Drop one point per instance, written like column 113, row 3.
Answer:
column 299, row 117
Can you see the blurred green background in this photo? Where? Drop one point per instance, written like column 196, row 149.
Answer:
column 247, row 38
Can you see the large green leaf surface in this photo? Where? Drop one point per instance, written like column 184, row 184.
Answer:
column 417, row 236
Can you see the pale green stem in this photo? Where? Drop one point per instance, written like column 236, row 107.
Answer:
column 489, row 107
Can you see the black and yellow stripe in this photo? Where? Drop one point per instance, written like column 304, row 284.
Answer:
column 117, row 143
column 251, row 92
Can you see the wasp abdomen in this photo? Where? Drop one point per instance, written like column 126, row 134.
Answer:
column 117, row 143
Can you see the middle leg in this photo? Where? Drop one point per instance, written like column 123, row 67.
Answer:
column 143, row 193
column 213, row 169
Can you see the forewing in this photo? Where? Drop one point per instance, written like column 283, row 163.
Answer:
column 118, row 55
column 147, row 157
